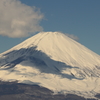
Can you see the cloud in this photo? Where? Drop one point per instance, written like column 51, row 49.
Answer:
column 18, row 20
column 73, row 37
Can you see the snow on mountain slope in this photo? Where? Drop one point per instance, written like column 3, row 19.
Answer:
column 55, row 61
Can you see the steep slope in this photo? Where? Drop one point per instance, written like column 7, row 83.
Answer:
column 55, row 61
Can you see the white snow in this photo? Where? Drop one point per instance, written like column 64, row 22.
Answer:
column 59, row 63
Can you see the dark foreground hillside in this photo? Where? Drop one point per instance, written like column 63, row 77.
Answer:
column 18, row 91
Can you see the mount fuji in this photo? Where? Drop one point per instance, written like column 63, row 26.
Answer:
column 55, row 61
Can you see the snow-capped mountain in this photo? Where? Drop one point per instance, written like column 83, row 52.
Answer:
column 55, row 61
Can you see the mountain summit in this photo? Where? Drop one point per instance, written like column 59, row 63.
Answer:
column 55, row 61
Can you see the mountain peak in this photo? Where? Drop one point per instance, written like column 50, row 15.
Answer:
column 61, row 48
column 52, row 59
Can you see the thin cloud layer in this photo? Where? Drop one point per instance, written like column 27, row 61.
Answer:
column 73, row 37
column 18, row 20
